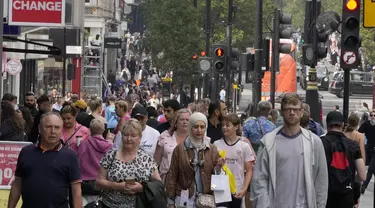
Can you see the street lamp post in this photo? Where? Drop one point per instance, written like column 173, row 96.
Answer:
column 257, row 85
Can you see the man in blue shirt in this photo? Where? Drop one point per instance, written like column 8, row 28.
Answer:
column 255, row 129
column 47, row 170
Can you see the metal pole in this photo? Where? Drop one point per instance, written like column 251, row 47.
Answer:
column 257, row 86
column 208, row 37
column 275, row 55
column 346, row 93
column 64, row 63
column 1, row 49
column 312, row 94
column 229, row 56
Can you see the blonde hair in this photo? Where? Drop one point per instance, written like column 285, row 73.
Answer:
column 122, row 104
column 176, row 117
column 94, row 103
column 97, row 127
column 132, row 125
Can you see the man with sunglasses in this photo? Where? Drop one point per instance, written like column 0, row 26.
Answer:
column 368, row 128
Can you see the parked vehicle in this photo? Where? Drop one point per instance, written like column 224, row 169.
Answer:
column 361, row 83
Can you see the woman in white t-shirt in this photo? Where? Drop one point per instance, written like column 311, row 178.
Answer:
column 239, row 158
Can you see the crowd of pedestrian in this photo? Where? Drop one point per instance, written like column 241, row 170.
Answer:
column 127, row 153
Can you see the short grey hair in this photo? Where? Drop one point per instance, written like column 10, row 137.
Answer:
column 97, row 127
column 45, row 115
column 264, row 105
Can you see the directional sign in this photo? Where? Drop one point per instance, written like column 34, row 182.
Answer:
column 369, row 13
column 349, row 57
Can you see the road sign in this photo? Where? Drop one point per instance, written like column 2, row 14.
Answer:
column 37, row 12
column 74, row 50
column 14, row 67
column 205, row 64
column 369, row 13
column 349, row 57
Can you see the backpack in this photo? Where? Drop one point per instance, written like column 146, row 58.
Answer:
column 340, row 174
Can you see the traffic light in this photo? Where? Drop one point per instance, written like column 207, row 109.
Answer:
column 219, row 58
column 321, row 48
column 235, row 57
column 266, row 55
column 350, row 40
column 247, row 65
column 280, row 30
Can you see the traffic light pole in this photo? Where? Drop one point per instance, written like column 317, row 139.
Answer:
column 229, row 55
column 346, row 93
column 275, row 55
column 208, row 37
column 257, row 86
column 312, row 94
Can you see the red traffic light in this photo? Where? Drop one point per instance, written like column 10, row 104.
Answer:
column 195, row 57
column 219, row 52
column 352, row 5
column 203, row 53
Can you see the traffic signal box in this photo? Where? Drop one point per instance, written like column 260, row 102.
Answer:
column 350, row 40
column 281, row 29
column 219, row 58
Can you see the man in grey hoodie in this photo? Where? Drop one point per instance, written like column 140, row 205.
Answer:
column 291, row 169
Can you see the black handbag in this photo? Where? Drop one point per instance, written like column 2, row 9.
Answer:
column 89, row 189
column 98, row 203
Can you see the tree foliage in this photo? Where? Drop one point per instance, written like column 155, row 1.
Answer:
column 172, row 35
column 175, row 30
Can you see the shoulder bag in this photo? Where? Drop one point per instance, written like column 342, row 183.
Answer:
column 201, row 200
column 98, row 203
column 261, row 127
column 67, row 141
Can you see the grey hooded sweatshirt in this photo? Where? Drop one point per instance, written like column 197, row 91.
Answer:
column 263, row 184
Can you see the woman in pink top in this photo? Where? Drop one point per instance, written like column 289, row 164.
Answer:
column 169, row 139
column 121, row 110
column 72, row 132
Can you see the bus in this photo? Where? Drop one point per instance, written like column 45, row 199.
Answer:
column 286, row 80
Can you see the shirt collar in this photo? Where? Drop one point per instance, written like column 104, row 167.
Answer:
column 57, row 148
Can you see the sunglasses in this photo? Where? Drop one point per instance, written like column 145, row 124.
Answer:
column 372, row 115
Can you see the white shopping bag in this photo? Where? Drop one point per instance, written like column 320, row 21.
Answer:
column 221, row 189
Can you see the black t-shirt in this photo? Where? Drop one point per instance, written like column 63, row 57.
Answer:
column 153, row 123
column 215, row 133
column 354, row 150
column 369, row 131
column 50, row 172
column 163, row 126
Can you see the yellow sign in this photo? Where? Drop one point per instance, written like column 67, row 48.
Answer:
column 4, row 194
column 369, row 13
column 235, row 86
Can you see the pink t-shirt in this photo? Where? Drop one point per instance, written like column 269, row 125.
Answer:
column 83, row 132
column 236, row 156
column 168, row 143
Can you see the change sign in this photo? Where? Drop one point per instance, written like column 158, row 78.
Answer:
column 37, row 12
